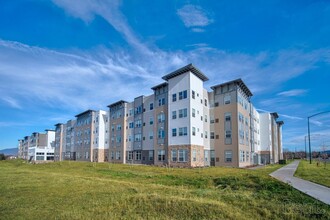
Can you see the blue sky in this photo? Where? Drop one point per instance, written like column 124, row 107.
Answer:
column 59, row 58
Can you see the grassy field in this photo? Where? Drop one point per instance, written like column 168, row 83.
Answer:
column 317, row 174
column 78, row 190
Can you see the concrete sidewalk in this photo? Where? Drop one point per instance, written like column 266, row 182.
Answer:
column 285, row 174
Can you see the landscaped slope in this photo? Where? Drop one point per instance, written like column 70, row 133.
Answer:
column 77, row 190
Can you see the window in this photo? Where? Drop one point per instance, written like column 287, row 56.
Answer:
column 183, row 113
column 227, row 117
column 194, row 155
column 112, row 155
column 130, row 155
column 130, row 112
column 161, row 117
column 227, row 99
column 129, row 138
column 205, row 134
column 137, row 137
column 138, row 155
column 193, row 94
column 228, row 134
column 138, row 110
column 173, row 132
column 151, row 135
column 183, row 131
column 212, row 135
column 193, row 131
column 174, row 155
column 205, row 102
column 241, row 156
column 161, row 101
column 228, row 156
column 173, row 97
column 131, row 125
column 151, row 106
column 151, row 155
column 183, row 155
column 161, row 133
column 173, row 114
column 201, row 118
column 138, row 123
column 183, row 95
column 118, row 127
column 117, row 155
column 161, row 155
column 205, row 118
column 112, row 128
column 206, row 155
column 118, row 139
column 193, row 112
column 151, row 120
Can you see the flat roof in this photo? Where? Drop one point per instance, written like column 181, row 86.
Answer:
column 280, row 122
column 58, row 124
column 89, row 110
column 274, row 114
column 238, row 82
column 116, row 103
column 190, row 67
column 160, row 86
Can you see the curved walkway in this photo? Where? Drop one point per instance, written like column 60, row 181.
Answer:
column 285, row 174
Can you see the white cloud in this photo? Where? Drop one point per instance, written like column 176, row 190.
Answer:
column 293, row 92
column 194, row 17
column 12, row 102
column 291, row 117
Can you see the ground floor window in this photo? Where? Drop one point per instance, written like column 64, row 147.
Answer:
column 151, row 155
column 183, row 155
column 206, row 156
column 161, row 155
column 129, row 155
column 117, row 155
column 138, row 155
column 228, row 156
column 194, row 155
column 174, row 155
column 241, row 156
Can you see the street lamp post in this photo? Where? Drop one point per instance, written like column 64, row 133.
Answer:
column 309, row 135
column 305, row 148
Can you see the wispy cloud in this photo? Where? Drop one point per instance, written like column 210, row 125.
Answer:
column 293, row 92
column 194, row 17
column 12, row 102
column 291, row 117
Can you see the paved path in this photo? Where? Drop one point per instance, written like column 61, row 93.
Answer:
column 285, row 174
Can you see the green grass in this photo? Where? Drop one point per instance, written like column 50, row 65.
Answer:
column 78, row 190
column 317, row 174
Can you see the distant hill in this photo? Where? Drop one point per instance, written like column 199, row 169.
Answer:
column 9, row 151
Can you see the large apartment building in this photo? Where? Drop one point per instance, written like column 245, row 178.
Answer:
column 180, row 124
column 84, row 138
column 38, row 146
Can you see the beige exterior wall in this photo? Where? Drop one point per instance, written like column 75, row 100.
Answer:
column 114, row 133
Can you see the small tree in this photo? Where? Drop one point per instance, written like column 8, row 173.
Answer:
column 2, row 157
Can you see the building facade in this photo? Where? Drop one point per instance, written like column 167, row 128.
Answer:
column 181, row 124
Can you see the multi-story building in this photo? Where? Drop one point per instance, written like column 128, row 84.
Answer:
column 232, row 124
column 270, row 138
column 41, row 146
column 180, row 124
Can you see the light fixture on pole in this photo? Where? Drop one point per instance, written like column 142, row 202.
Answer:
column 309, row 135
